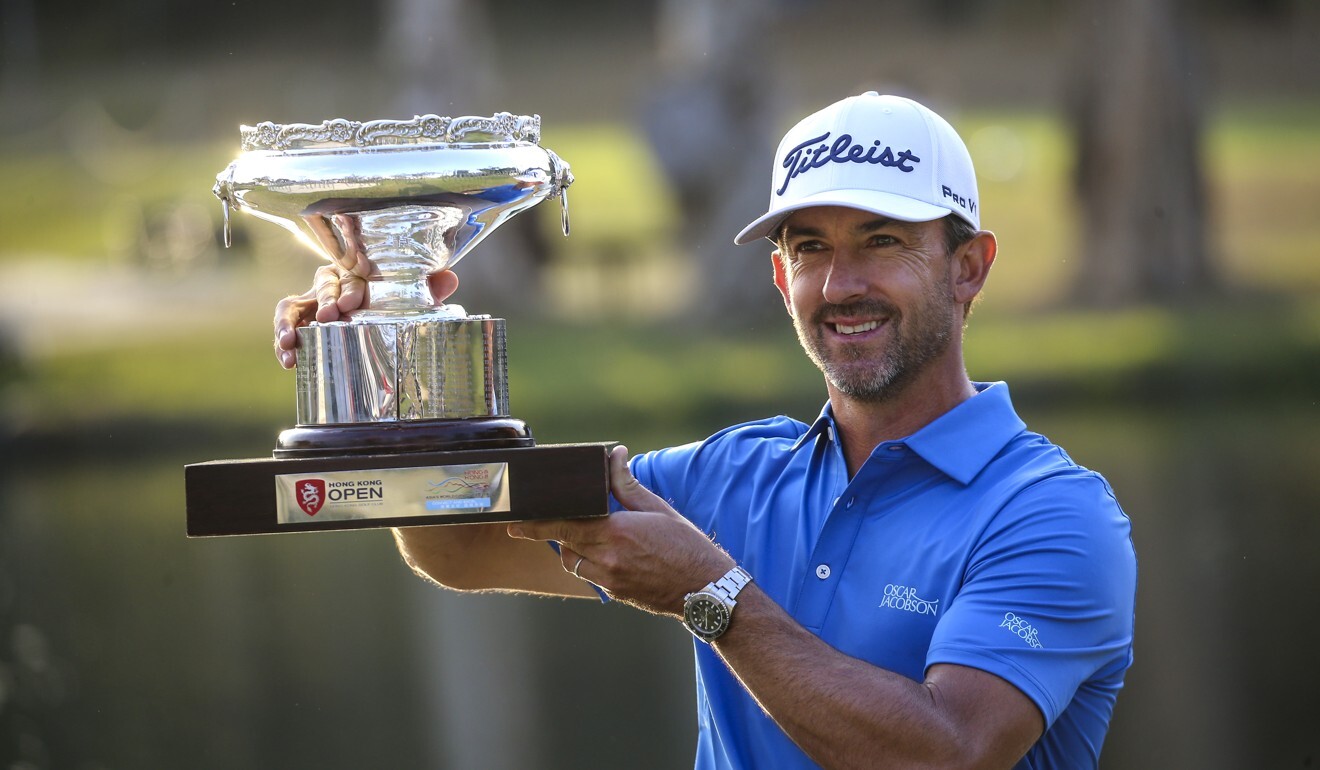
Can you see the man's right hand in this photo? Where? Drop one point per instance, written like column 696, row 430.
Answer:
column 336, row 291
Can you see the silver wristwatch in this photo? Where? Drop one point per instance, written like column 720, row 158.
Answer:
column 707, row 612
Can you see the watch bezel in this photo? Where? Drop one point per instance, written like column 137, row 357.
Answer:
column 689, row 619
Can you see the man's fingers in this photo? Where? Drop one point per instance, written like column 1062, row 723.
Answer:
column 574, row 563
column 443, row 284
column 340, row 290
column 287, row 312
column 352, row 294
column 334, row 294
column 354, row 257
column 326, row 286
column 290, row 313
column 628, row 490
column 324, row 233
column 539, row 530
column 578, row 532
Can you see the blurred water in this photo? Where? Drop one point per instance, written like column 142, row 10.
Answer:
column 1223, row 498
column 124, row 644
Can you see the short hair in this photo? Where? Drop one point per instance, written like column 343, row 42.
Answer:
column 957, row 231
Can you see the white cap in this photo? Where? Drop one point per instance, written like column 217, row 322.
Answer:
column 883, row 154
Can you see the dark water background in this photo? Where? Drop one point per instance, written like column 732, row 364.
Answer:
column 126, row 645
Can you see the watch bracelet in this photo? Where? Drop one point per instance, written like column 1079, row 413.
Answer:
column 731, row 583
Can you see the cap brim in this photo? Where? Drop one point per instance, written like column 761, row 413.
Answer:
column 885, row 204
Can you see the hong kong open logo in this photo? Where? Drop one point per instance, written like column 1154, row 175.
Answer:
column 310, row 494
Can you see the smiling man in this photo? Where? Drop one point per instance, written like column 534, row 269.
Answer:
column 913, row 579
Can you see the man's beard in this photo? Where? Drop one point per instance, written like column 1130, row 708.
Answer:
column 914, row 341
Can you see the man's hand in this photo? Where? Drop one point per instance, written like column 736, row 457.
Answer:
column 648, row 556
column 336, row 291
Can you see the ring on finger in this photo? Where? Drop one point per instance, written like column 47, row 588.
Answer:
column 577, row 564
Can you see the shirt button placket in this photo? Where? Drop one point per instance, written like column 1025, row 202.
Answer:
column 823, row 570
column 836, row 540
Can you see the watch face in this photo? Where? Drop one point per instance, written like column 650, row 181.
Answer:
column 706, row 616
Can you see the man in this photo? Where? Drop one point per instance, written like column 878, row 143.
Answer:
column 914, row 578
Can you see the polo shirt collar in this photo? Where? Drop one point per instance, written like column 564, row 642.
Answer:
column 958, row 443
column 963, row 440
column 823, row 424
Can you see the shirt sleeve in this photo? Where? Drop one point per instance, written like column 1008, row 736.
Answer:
column 1048, row 596
column 668, row 473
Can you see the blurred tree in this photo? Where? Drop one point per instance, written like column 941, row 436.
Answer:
column 1135, row 103
column 437, row 54
column 712, row 123
column 19, row 62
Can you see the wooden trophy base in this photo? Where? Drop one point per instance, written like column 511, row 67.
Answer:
column 317, row 482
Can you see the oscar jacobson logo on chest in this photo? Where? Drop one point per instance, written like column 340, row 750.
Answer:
column 906, row 599
column 888, row 622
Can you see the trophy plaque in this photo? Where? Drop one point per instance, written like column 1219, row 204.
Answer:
column 402, row 406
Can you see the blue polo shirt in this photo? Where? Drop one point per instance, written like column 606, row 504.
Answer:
column 973, row 541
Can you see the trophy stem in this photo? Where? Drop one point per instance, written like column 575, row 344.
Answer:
column 405, row 243
column 399, row 292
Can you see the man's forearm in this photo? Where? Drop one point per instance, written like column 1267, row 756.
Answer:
column 482, row 557
column 845, row 712
column 437, row 553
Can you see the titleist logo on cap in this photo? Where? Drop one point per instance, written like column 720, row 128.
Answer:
column 864, row 150
column 800, row 160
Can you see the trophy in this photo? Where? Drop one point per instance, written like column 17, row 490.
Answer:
column 402, row 406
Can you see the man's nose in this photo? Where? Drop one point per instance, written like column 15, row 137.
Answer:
column 847, row 279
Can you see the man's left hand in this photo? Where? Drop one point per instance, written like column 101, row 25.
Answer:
column 647, row 555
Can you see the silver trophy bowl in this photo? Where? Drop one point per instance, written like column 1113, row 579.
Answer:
column 397, row 200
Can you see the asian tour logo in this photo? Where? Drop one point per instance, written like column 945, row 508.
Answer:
column 310, row 495
column 469, row 490
column 1022, row 628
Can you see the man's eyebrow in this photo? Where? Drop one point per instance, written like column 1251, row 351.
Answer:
column 792, row 231
column 880, row 223
column 869, row 226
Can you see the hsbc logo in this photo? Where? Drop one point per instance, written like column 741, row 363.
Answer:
column 310, row 495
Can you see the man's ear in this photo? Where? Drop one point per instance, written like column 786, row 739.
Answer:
column 781, row 279
column 971, row 267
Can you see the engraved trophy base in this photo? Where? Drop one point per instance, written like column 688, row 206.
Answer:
column 403, row 489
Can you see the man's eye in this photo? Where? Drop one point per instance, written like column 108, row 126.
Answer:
column 883, row 240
